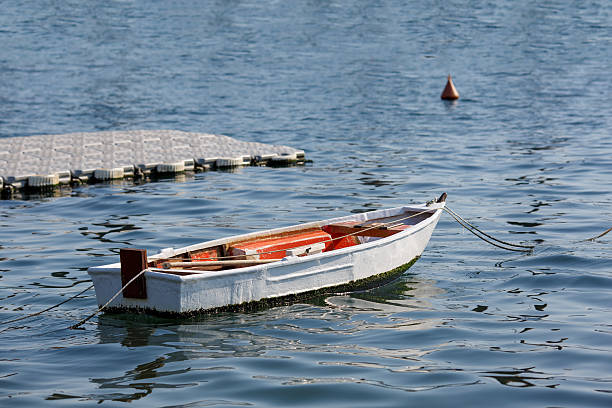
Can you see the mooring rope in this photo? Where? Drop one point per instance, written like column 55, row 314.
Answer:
column 473, row 229
column 76, row 326
column 528, row 248
column 47, row 309
column 600, row 235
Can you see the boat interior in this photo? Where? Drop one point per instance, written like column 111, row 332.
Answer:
column 270, row 247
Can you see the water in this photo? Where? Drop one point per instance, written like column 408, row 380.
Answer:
column 525, row 153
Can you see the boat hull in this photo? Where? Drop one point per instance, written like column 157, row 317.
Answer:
column 367, row 265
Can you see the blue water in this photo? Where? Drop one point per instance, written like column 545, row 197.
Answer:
column 526, row 154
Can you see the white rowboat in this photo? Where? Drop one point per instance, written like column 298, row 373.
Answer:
column 272, row 267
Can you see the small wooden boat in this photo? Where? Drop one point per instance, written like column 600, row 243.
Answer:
column 271, row 267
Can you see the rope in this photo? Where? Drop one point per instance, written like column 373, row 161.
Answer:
column 529, row 248
column 473, row 229
column 47, row 309
column 76, row 326
column 600, row 235
column 487, row 235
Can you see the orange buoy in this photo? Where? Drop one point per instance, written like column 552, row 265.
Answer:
column 449, row 92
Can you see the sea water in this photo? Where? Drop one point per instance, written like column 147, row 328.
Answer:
column 525, row 154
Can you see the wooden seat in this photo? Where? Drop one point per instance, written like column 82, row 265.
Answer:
column 275, row 248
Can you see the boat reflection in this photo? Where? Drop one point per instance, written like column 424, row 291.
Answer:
column 213, row 345
column 409, row 292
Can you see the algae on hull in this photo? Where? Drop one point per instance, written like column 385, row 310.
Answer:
column 353, row 286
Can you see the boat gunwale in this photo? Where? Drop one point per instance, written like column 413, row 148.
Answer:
column 287, row 261
column 312, row 224
column 167, row 274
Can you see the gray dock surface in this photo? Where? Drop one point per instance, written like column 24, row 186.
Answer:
column 47, row 160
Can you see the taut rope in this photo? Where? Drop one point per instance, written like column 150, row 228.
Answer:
column 600, row 235
column 473, row 229
column 76, row 326
column 47, row 309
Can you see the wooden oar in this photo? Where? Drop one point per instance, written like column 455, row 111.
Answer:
column 237, row 262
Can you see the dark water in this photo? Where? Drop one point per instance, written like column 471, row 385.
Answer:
column 525, row 153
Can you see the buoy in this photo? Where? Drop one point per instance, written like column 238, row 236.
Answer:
column 449, row 93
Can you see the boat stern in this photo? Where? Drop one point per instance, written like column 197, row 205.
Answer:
column 164, row 288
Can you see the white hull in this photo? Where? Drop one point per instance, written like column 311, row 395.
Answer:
column 206, row 290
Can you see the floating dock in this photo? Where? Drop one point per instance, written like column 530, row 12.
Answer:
column 39, row 162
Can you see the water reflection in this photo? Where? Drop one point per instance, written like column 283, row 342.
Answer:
column 369, row 179
column 133, row 379
column 113, row 227
column 531, row 147
column 529, row 179
column 37, row 194
column 277, row 333
column 409, row 292
column 536, row 206
column 84, row 190
column 525, row 224
column 255, row 334
column 519, row 378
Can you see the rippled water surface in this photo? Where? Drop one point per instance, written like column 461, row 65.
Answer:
column 526, row 154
